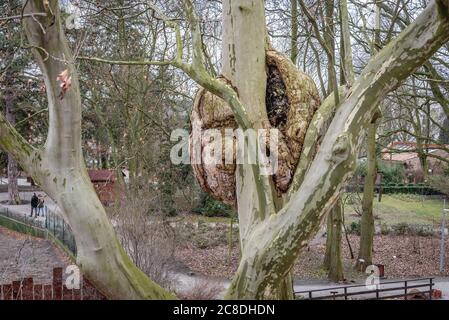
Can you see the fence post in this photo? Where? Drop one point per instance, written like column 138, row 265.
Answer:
column 346, row 293
column 405, row 291
column 377, row 291
column 63, row 223
column 431, row 286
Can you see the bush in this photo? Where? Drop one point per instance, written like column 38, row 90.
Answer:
column 384, row 229
column 418, row 189
column 203, row 289
column 400, row 228
column 210, row 207
column 391, row 173
column 355, row 227
column 146, row 235
column 404, row 228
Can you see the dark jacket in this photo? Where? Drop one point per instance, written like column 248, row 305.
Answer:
column 34, row 201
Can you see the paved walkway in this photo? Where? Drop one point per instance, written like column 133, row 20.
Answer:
column 440, row 283
column 24, row 210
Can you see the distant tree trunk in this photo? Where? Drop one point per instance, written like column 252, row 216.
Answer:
column 294, row 31
column 333, row 261
column 444, row 132
column 13, row 171
column 365, row 257
column 332, row 257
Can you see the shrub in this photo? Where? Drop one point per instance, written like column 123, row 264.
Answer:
column 146, row 235
column 384, row 229
column 391, row 173
column 210, row 207
column 203, row 289
column 417, row 189
column 355, row 227
column 404, row 228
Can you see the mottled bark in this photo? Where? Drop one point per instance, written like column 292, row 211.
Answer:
column 244, row 64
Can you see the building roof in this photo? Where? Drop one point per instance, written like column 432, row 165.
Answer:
column 399, row 156
column 405, row 150
column 101, row 175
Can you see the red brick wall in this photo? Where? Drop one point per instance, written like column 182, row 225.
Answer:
column 26, row 289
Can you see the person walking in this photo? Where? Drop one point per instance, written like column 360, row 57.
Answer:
column 34, row 204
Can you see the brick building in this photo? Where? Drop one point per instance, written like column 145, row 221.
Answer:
column 105, row 183
column 403, row 152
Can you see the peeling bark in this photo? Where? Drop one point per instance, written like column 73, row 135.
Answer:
column 275, row 243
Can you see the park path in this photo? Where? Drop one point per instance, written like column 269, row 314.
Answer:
column 187, row 282
column 24, row 210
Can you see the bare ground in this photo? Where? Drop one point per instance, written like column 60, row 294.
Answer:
column 403, row 257
column 25, row 256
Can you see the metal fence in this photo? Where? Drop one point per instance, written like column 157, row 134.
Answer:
column 384, row 290
column 56, row 229
column 60, row 230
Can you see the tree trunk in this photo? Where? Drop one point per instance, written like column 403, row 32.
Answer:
column 294, row 31
column 13, row 170
column 59, row 166
column 333, row 261
column 365, row 257
column 244, row 52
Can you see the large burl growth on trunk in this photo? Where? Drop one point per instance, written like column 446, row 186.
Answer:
column 291, row 101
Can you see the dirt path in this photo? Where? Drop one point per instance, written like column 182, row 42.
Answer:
column 24, row 256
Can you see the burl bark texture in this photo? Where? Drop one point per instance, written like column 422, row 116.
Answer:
column 291, row 99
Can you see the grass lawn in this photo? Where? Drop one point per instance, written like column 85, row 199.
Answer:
column 399, row 208
column 393, row 209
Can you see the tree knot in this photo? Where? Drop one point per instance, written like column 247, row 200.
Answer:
column 341, row 149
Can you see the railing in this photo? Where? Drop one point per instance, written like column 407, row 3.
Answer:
column 60, row 230
column 344, row 292
column 53, row 227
